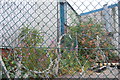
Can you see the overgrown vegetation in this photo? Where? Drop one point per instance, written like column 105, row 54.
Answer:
column 34, row 56
column 93, row 45
column 30, row 53
column 85, row 44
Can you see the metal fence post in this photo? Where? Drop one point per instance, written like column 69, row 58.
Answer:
column 119, row 26
column 62, row 22
column 62, row 17
column 119, row 32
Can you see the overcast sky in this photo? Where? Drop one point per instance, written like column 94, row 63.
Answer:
column 82, row 6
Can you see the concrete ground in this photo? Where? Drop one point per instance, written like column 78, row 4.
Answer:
column 108, row 73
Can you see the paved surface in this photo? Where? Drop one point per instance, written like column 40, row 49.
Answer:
column 108, row 73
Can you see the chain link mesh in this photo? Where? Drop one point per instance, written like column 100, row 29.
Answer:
column 60, row 39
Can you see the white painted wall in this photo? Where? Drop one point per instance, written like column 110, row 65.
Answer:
column 42, row 15
column 15, row 13
column 72, row 17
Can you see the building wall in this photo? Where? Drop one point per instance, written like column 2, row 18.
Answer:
column 72, row 17
column 44, row 16
column 39, row 15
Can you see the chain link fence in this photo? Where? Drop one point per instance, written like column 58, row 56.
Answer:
column 60, row 39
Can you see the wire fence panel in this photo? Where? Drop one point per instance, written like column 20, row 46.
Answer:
column 60, row 39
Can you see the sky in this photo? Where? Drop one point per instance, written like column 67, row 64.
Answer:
column 82, row 6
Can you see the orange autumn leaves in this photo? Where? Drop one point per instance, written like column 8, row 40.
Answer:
column 87, row 38
column 87, row 34
column 89, row 25
column 84, row 41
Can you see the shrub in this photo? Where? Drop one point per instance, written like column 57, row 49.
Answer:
column 92, row 40
column 87, row 33
column 30, row 52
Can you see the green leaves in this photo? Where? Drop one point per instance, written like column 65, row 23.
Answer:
column 30, row 36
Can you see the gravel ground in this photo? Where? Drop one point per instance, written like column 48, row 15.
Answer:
column 108, row 73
